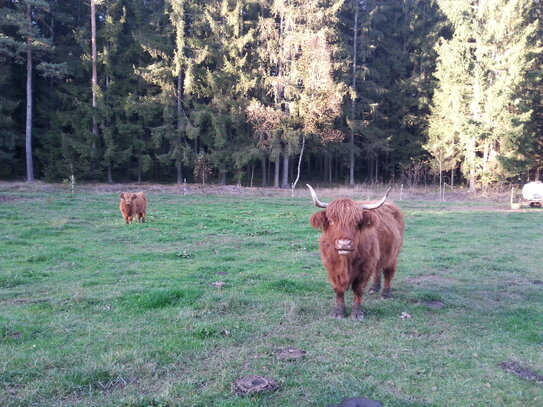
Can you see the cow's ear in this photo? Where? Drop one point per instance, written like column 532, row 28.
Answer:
column 121, row 195
column 319, row 220
column 368, row 220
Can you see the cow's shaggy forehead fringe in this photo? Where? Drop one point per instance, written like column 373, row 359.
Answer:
column 344, row 211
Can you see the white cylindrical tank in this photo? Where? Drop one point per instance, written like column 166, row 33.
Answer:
column 533, row 191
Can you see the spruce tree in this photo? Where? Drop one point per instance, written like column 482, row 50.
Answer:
column 229, row 84
column 295, row 49
column 482, row 104
column 24, row 37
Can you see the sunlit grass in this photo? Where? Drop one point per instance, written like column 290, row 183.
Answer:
column 172, row 311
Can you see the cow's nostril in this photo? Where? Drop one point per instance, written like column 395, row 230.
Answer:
column 344, row 244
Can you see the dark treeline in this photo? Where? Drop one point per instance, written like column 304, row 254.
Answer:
column 258, row 92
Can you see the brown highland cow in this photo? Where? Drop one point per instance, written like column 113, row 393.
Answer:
column 359, row 241
column 133, row 205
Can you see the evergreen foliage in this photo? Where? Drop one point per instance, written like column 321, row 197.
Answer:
column 483, row 110
column 374, row 90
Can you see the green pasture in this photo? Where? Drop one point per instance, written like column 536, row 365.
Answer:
column 170, row 312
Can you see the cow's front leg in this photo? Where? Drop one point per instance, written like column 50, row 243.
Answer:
column 339, row 312
column 358, row 289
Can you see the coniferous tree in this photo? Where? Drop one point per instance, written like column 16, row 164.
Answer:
column 180, row 65
column 229, row 85
column 482, row 104
column 8, row 134
column 27, row 37
column 292, row 36
column 537, row 91
column 249, row 81
column 156, row 104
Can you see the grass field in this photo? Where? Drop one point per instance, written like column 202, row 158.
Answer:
column 169, row 313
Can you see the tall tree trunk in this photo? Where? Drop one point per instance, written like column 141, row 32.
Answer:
column 441, row 186
column 276, row 172
column 94, row 79
column 264, row 172
column 376, row 167
column 179, row 169
column 222, row 174
column 328, row 167
column 325, row 166
column 299, row 165
column 268, row 172
column 28, row 130
column 471, row 158
column 486, row 158
column 353, row 100
column 139, row 168
column 286, row 151
column 107, row 124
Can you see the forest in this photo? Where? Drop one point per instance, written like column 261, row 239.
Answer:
column 270, row 92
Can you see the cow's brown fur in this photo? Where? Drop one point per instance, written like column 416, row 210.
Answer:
column 376, row 235
column 133, row 204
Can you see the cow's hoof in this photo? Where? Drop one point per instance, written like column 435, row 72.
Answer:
column 339, row 313
column 357, row 313
column 375, row 289
column 387, row 293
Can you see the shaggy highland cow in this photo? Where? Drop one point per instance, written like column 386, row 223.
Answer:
column 133, row 205
column 359, row 241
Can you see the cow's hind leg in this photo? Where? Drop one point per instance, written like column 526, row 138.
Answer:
column 376, row 286
column 389, row 275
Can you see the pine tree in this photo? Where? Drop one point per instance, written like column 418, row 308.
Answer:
column 9, row 136
column 295, row 53
column 229, row 84
column 537, row 92
column 125, row 135
column 156, row 104
column 397, row 40
column 24, row 23
column 482, row 104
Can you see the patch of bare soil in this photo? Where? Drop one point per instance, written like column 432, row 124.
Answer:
column 417, row 280
column 358, row 192
column 14, row 198
column 495, row 201
column 290, row 354
column 433, row 304
column 358, row 402
column 26, row 301
column 254, row 384
column 521, row 372
column 174, row 189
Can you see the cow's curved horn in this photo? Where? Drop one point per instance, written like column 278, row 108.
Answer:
column 316, row 201
column 378, row 204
